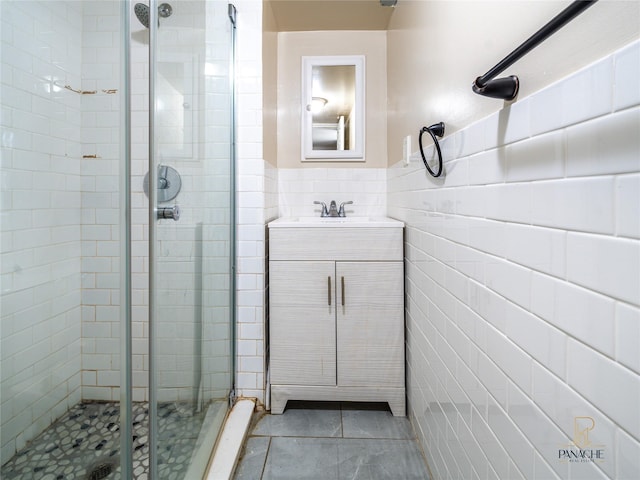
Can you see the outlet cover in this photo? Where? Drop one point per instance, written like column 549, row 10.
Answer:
column 406, row 150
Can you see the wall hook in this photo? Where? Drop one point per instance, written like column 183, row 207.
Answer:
column 435, row 130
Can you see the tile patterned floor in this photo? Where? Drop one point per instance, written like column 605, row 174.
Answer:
column 332, row 441
column 85, row 444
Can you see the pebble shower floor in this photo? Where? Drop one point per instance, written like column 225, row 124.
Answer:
column 85, row 444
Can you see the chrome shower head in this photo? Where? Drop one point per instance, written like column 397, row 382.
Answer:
column 142, row 12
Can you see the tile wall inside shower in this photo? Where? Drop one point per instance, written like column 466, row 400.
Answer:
column 41, row 216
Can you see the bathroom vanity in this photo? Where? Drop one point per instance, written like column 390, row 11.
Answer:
column 336, row 311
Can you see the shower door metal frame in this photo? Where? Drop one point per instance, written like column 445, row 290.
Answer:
column 232, row 14
column 153, row 202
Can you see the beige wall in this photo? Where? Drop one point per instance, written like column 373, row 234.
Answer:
column 269, row 82
column 436, row 49
column 291, row 47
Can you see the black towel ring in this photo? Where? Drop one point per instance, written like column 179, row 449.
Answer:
column 437, row 129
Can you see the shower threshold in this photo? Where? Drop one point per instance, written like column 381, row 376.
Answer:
column 85, row 443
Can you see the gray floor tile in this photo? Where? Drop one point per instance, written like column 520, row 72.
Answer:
column 302, row 459
column 253, row 459
column 344, row 459
column 381, row 460
column 320, row 441
column 304, row 420
column 374, row 423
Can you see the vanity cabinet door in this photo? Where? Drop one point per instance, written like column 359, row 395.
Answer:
column 370, row 324
column 302, row 322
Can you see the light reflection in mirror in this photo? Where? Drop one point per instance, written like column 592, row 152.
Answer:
column 332, row 123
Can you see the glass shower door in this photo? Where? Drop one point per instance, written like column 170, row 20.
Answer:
column 191, row 233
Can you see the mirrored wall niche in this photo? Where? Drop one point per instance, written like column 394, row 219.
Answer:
column 333, row 108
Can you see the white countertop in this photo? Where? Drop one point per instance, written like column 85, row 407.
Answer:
column 343, row 222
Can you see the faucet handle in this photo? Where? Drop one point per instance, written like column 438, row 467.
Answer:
column 324, row 212
column 341, row 212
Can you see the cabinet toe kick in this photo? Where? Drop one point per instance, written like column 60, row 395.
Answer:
column 395, row 397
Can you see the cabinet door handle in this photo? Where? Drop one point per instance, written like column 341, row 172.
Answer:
column 342, row 281
column 329, row 290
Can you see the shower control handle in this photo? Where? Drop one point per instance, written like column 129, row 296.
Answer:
column 168, row 212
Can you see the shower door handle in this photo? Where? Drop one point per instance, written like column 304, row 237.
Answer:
column 168, row 212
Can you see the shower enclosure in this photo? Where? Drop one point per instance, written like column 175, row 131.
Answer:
column 117, row 236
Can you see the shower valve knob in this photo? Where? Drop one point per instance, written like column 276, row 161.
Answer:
column 168, row 212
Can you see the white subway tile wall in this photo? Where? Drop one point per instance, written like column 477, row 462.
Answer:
column 101, row 167
column 255, row 204
column 523, row 291
column 298, row 188
column 41, row 212
column 139, row 213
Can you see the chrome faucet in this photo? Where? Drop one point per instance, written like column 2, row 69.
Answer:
column 333, row 210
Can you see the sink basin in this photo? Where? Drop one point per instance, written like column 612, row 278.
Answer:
column 344, row 222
